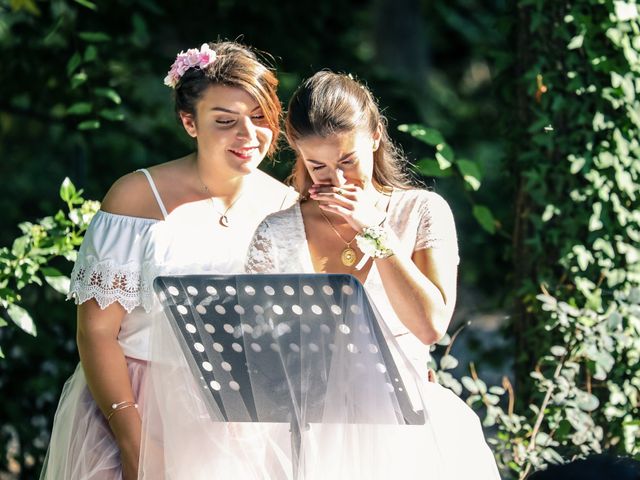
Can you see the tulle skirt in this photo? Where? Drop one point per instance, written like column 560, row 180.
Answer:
column 344, row 421
column 241, row 389
column 82, row 446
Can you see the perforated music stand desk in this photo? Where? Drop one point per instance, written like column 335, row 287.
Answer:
column 228, row 323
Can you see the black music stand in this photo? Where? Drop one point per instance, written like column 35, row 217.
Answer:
column 230, row 325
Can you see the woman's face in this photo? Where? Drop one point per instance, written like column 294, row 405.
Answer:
column 342, row 158
column 230, row 128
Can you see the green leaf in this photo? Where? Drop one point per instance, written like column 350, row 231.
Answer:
column 543, row 439
column 549, row 211
column 485, row 218
column 67, row 190
column 58, row 281
column 89, row 125
column 496, row 390
column 90, row 54
column 78, row 79
column 94, row 37
column 594, row 222
column 109, row 93
column 583, row 256
column 470, row 385
column 605, row 360
column 80, row 108
column 443, row 163
column 422, row 133
column 430, row 168
column 113, row 115
column 73, row 63
column 88, row 4
column 446, row 151
column 576, row 42
column 22, row 319
column 551, row 456
column 625, row 11
column 447, row 362
column 470, row 172
column 19, row 246
column 587, row 402
column 625, row 182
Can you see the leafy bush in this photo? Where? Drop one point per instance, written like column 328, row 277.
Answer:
column 572, row 124
column 31, row 258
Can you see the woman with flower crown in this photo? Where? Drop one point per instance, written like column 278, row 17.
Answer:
column 359, row 215
column 190, row 215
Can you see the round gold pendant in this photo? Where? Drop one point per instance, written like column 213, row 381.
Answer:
column 224, row 221
column 348, row 256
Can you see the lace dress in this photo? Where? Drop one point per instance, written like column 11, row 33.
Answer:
column 117, row 262
column 451, row 444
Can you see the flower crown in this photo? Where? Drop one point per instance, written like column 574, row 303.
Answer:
column 192, row 58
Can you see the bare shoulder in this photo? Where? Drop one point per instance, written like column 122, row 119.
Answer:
column 131, row 195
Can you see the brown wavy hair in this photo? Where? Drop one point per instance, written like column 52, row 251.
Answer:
column 236, row 65
column 330, row 103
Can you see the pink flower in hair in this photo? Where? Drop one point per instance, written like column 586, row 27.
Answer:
column 192, row 58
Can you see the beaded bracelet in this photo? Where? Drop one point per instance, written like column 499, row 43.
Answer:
column 116, row 407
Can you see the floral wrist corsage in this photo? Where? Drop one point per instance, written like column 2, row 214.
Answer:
column 374, row 242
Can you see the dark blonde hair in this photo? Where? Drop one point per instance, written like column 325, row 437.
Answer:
column 236, row 65
column 329, row 103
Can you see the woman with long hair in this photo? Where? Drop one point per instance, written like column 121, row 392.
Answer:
column 360, row 215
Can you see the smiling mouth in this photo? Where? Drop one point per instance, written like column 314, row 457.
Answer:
column 244, row 153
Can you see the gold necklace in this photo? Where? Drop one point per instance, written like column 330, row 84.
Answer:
column 348, row 255
column 223, row 220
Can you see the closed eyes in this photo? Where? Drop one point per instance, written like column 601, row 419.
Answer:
column 258, row 118
column 347, row 162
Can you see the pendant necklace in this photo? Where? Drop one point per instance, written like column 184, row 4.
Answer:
column 348, row 255
column 223, row 220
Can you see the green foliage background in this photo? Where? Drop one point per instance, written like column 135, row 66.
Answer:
column 523, row 114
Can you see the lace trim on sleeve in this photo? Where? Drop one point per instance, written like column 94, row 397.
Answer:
column 109, row 282
column 261, row 252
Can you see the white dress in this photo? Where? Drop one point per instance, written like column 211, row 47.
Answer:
column 451, row 444
column 117, row 262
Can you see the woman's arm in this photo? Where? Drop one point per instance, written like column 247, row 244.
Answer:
column 422, row 287
column 422, row 290
column 102, row 358
column 107, row 376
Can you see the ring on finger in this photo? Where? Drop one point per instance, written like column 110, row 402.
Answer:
column 340, row 191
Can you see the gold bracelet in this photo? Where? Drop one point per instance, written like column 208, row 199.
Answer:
column 116, row 407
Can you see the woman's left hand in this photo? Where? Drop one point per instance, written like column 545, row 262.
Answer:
column 355, row 204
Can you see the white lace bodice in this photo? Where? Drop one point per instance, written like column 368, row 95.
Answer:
column 420, row 219
column 120, row 256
